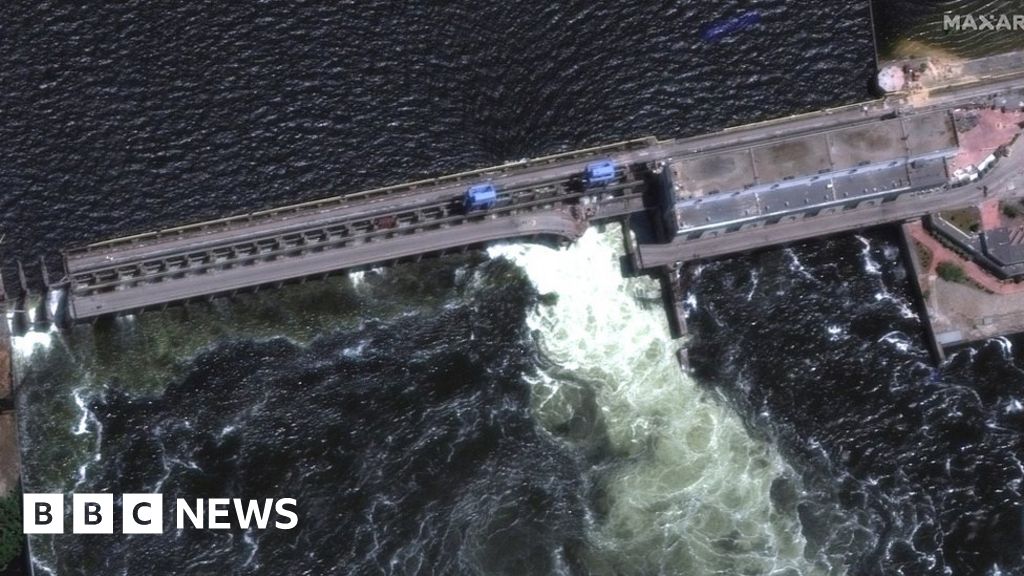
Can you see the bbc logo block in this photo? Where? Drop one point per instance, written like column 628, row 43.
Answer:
column 43, row 513
column 144, row 514
column 92, row 513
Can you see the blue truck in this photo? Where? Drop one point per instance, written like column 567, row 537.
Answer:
column 601, row 172
column 480, row 197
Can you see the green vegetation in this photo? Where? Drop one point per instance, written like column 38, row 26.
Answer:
column 967, row 219
column 951, row 272
column 924, row 255
column 10, row 528
column 1010, row 209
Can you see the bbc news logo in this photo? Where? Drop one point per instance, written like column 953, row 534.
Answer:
column 982, row 22
column 144, row 513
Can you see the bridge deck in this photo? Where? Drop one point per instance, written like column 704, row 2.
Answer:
column 559, row 224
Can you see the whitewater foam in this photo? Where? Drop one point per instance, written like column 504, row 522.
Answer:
column 26, row 345
column 689, row 491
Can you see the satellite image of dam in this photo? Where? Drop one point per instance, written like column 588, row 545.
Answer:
column 309, row 288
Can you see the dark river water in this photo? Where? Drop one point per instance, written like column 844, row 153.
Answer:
column 510, row 412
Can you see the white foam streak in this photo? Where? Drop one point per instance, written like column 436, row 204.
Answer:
column 1006, row 346
column 37, row 565
column 906, row 311
column 83, row 420
column 82, row 428
column 53, row 299
column 870, row 266
column 796, row 266
column 253, row 546
column 898, row 340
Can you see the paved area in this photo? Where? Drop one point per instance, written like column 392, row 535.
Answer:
column 976, row 273
column 961, row 313
column 926, row 133
column 989, row 212
column 832, row 150
column 812, row 195
column 792, row 158
column 680, row 250
column 875, row 143
column 982, row 132
column 705, row 175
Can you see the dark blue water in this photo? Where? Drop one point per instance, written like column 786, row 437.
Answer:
column 919, row 469
column 407, row 434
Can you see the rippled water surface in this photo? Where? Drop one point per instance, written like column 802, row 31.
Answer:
column 905, row 467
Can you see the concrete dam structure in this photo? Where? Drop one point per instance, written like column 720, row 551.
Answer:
column 707, row 196
column 751, row 185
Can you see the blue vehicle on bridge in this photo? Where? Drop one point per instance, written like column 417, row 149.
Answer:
column 601, row 172
column 480, row 197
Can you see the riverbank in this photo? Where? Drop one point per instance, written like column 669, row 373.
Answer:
column 10, row 464
column 9, row 460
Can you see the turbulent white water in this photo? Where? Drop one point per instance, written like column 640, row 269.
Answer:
column 690, row 491
column 23, row 346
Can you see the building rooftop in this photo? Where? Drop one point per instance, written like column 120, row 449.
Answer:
column 920, row 136
column 797, row 174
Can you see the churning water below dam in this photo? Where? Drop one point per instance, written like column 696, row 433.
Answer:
column 527, row 417
column 524, row 414
column 517, row 411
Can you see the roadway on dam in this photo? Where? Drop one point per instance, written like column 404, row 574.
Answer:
column 132, row 273
column 315, row 214
column 559, row 223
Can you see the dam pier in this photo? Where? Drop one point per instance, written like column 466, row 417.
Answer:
column 891, row 160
